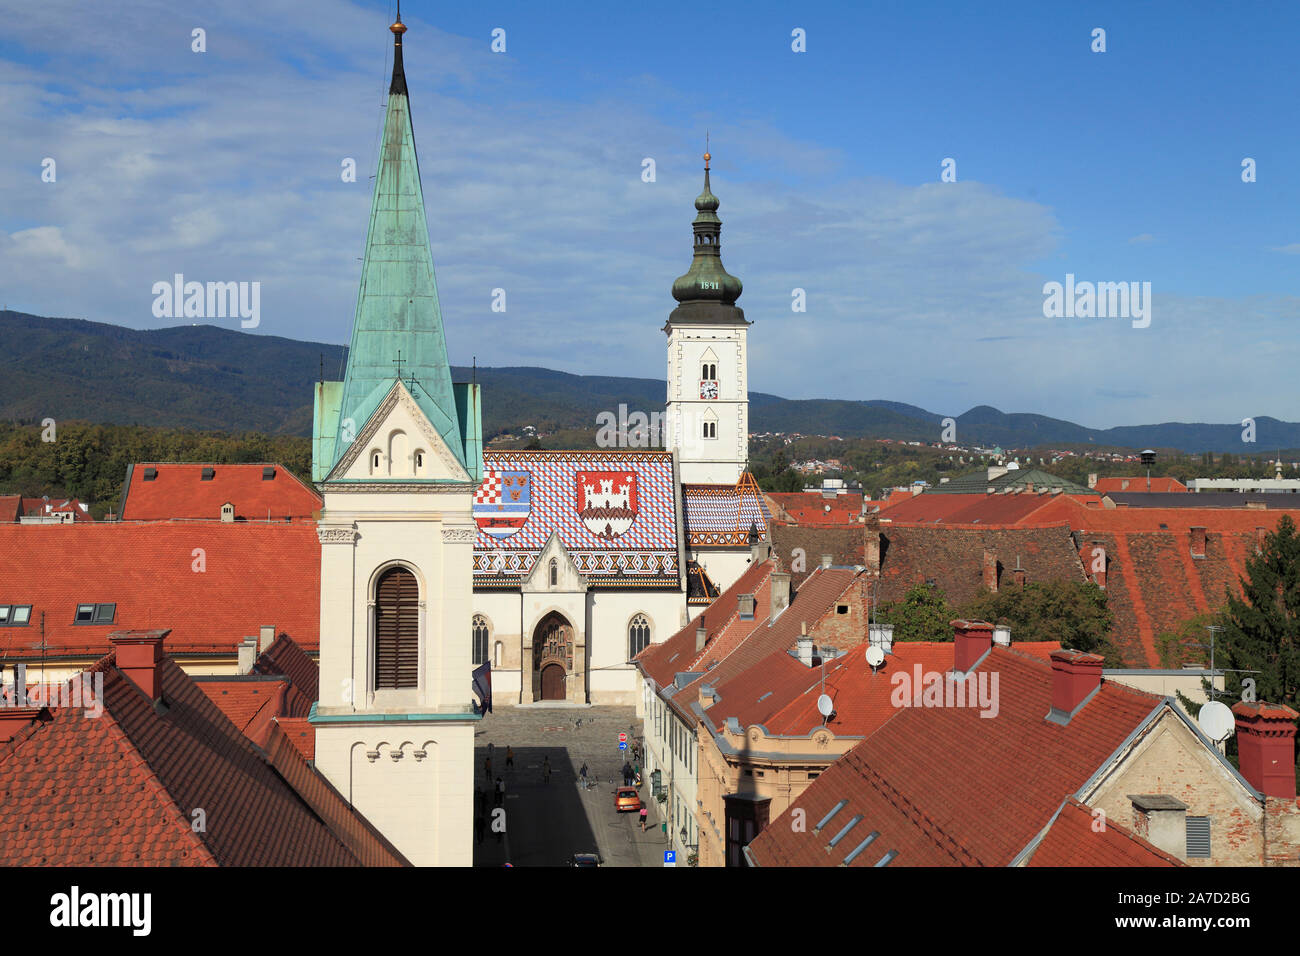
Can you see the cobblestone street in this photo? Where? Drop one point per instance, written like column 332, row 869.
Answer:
column 547, row 823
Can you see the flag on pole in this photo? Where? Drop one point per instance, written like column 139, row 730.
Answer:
column 483, row 686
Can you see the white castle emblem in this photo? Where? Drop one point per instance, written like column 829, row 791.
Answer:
column 607, row 502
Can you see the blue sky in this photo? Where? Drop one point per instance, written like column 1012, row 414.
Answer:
column 1115, row 166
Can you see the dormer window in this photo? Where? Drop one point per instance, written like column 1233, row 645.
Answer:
column 208, row 474
column 228, row 512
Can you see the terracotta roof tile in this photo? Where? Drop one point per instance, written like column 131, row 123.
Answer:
column 179, row 491
column 1073, row 841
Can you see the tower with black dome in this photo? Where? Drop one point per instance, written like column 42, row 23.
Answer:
column 707, row 414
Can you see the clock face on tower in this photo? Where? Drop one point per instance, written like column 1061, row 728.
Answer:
column 708, row 388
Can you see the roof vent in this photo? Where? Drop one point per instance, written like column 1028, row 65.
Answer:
column 208, row 474
column 268, row 473
column 150, row 474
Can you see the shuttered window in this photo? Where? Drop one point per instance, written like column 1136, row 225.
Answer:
column 1198, row 837
column 397, row 630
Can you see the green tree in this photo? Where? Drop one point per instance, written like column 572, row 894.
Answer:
column 1262, row 626
column 1072, row 612
column 922, row 615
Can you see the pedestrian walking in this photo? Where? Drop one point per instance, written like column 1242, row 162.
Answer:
column 644, row 812
column 583, row 773
column 501, row 792
column 487, row 768
column 546, row 770
column 510, row 759
column 627, row 774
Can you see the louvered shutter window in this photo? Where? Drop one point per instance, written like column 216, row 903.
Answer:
column 1198, row 837
column 397, row 630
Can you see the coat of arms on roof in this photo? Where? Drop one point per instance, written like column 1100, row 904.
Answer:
column 503, row 502
column 607, row 501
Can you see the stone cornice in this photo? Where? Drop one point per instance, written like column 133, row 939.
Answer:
column 336, row 535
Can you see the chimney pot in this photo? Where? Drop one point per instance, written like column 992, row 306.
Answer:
column 827, row 560
column 970, row 640
column 1266, row 747
column 268, row 636
column 1075, row 676
column 780, row 591
column 1002, row 635
column 138, row 655
column 701, row 638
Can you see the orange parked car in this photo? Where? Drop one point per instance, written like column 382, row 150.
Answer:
column 626, row 798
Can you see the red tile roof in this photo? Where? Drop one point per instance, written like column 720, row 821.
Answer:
column 661, row 662
column 1005, row 509
column 11, row 507
column 945, row 786
column 252, row 574
column 1158, row 484
column 123, row 788
column 741, row 648
column 1073, row 841
column 299, row 732
column 813, row 508
column 179, row 491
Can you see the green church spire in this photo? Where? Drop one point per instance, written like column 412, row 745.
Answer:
column 707, row 292
column 398, row 323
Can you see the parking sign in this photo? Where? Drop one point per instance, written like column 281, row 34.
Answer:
column 670, row 857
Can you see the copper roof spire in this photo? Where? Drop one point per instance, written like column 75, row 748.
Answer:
column 399, row 74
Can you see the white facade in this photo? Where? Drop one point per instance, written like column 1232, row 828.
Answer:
column 709, row 434
column 403, row 757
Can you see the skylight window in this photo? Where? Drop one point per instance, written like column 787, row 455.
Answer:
column 843, row 833
column 857, row 850
column 95, row 613
column 15, row 615
column 827, row 819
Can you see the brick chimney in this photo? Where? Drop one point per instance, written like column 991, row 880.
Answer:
column 780, row 581
column 991, row 570
column 759, row 552
column 1197, row 536
column 1076, row 676
column 1162, row 821
column 804, row 646
column 1260, row 535
column 139, row 654
column 970, row 639
column 1266, row 747
column 871, row 546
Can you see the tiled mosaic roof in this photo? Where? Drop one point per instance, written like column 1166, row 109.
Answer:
column 615, row 513
column 721, row 515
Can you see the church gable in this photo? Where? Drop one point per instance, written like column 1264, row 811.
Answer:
column 554, row 570
column 399, row 443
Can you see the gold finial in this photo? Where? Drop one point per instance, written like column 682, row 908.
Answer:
column 399, row 27
column 707, row 157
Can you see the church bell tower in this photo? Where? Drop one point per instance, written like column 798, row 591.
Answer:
column 707, row 414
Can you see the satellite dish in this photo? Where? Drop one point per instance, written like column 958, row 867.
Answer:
column 875, row 656
column 1216, row 721
column 825, row 707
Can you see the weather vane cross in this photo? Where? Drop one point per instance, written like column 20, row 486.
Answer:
column 398, row 362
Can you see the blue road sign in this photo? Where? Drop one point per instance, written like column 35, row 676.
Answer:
column 622, row 745
column 670, row 857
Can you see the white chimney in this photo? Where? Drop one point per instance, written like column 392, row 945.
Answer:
column 805, row 646
column 1002, row 635
column 247, row 655
column 268, row 636
column 882, row 636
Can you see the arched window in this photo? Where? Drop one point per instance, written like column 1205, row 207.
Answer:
column 397, row 630
column 638, row 636
column 480, row 630
column 555, row 573
column 480, row 640
column 496, row 654
column 710, row 429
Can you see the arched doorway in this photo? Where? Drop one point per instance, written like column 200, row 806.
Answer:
column 552, row 657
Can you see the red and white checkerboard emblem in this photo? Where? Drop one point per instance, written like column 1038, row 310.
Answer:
column 503, row 502
column 607, row 501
